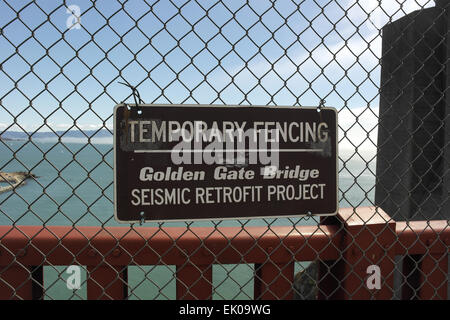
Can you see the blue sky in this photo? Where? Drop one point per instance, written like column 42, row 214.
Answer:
column 281, row 53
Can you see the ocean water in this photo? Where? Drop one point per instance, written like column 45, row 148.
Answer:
column 75, row 187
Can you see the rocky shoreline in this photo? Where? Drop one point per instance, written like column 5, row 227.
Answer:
column 305, row 282
column 14, row 179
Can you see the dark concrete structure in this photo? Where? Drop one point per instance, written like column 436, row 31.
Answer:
column 413, row 177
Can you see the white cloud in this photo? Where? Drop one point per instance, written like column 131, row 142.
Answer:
column 350, row 45
column 15, row 127
column 71, row 126
column 358, row 128
column 60, row 126
column 376, row 13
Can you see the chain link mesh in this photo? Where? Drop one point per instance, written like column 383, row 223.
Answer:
column 61, row 68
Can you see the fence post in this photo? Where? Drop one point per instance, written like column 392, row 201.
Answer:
column 411, row 277
column 194, row 282
column 327, row 282
column 433, row 276
column 273, row 281
column 16, row 282
column 107, row 282
column 368, row 239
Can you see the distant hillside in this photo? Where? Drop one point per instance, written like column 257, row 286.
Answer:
column 16, row 135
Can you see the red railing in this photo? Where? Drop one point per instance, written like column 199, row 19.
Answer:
column 364, row 236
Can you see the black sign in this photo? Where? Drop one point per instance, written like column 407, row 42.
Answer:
column 178, row 162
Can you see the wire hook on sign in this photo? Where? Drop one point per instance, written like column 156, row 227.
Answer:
column 319, row 108
column 135, row 93
column 136, row 97
column 321, row 105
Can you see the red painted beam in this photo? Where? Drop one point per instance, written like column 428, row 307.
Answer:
column 365, row 236
column 416, row 237
column 59, row 245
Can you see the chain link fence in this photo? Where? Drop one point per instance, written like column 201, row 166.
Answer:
column 381, row 64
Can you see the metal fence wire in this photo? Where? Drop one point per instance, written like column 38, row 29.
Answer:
column 382, row 64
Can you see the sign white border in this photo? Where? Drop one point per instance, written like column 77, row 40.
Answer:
column 222, row 106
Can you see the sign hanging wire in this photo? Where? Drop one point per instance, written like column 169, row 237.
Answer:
column 319, row 108
column 136, row 95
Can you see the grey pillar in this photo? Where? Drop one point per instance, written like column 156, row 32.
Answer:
column 414, row 135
